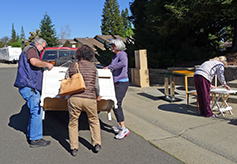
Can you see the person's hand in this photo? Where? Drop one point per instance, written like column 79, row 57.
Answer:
column 99, row 98
column 214, row 87
column 105, row 68
column 49, row 66
column 227, row 87
column 61, row 97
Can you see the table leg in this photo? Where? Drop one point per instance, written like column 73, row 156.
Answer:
column 218, row 106
column 166, row 87
column 227, row 107
column 186, row 85
column 215, row 102
column 172, row 88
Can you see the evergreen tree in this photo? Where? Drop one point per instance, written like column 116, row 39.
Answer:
column 13, row 35
column 22, row 33
column 112, row 22
column 127, row 26
column 48, row 32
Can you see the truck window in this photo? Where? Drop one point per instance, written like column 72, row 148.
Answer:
column 72, row 52
column 63, row 53
column 49, row 55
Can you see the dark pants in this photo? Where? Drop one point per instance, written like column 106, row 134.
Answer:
column 203, row 87
column 120, row 91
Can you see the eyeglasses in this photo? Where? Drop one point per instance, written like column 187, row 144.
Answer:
column 43, row 47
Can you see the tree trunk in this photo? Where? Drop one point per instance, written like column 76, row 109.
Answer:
column 234, row 42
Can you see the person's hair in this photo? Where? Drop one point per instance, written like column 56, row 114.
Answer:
column 120, row 46
column 39, row 40
column 84, row 52
column 221, row 59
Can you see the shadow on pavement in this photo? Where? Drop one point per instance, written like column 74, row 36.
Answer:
column 179, row 108
column 233, row 122
column 148, row 96
column 55, row 125
column 20, row 120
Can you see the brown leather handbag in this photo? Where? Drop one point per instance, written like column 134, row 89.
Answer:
column 72, row 85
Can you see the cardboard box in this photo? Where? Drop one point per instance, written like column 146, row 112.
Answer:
column 140, row 77
column 141, row 59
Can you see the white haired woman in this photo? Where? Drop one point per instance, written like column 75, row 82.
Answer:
column 119, row 66
column 203, row 78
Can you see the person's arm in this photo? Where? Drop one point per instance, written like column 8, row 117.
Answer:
column 122, row 62
column 35, row 61
column 38, row 63
column 221, row 77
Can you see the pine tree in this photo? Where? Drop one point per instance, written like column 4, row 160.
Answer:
column 127, row 26
column 112, row 22
column 48, row 31
column 13, row 36
column 22, row 33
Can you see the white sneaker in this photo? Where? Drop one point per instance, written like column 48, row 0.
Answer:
column 122, row 133
column 116, row 129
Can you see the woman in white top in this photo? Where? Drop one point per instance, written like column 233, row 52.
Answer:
column 203, row 78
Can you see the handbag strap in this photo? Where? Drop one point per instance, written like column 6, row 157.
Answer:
column 77, row 68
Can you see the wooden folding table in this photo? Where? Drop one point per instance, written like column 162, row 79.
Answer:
column 186, row 74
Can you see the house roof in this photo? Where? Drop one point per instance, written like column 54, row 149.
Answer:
column 98, row 41
column 226, row 44
column 62, row 41
column 69, row 41
column 108, row 38
column 91, row 42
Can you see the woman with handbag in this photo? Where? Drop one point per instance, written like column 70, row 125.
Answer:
column 85, row 100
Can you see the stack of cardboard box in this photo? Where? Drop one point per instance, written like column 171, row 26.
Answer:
column 140, row 74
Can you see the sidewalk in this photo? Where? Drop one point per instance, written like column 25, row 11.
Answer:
column 4, row 64
column 179, row 130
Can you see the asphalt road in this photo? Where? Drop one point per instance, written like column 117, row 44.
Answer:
column 15, row 149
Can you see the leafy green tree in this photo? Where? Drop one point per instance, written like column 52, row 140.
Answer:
column 127, row 26
column 48, row 32
column 32, row 36
column 173, row 31
column 218, row 19
column 4, row 41
column 17, row 43
column 112, row 22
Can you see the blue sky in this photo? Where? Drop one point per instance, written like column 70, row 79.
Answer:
column 82, row 16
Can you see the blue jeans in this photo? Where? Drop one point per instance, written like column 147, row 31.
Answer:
column 34, row 129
